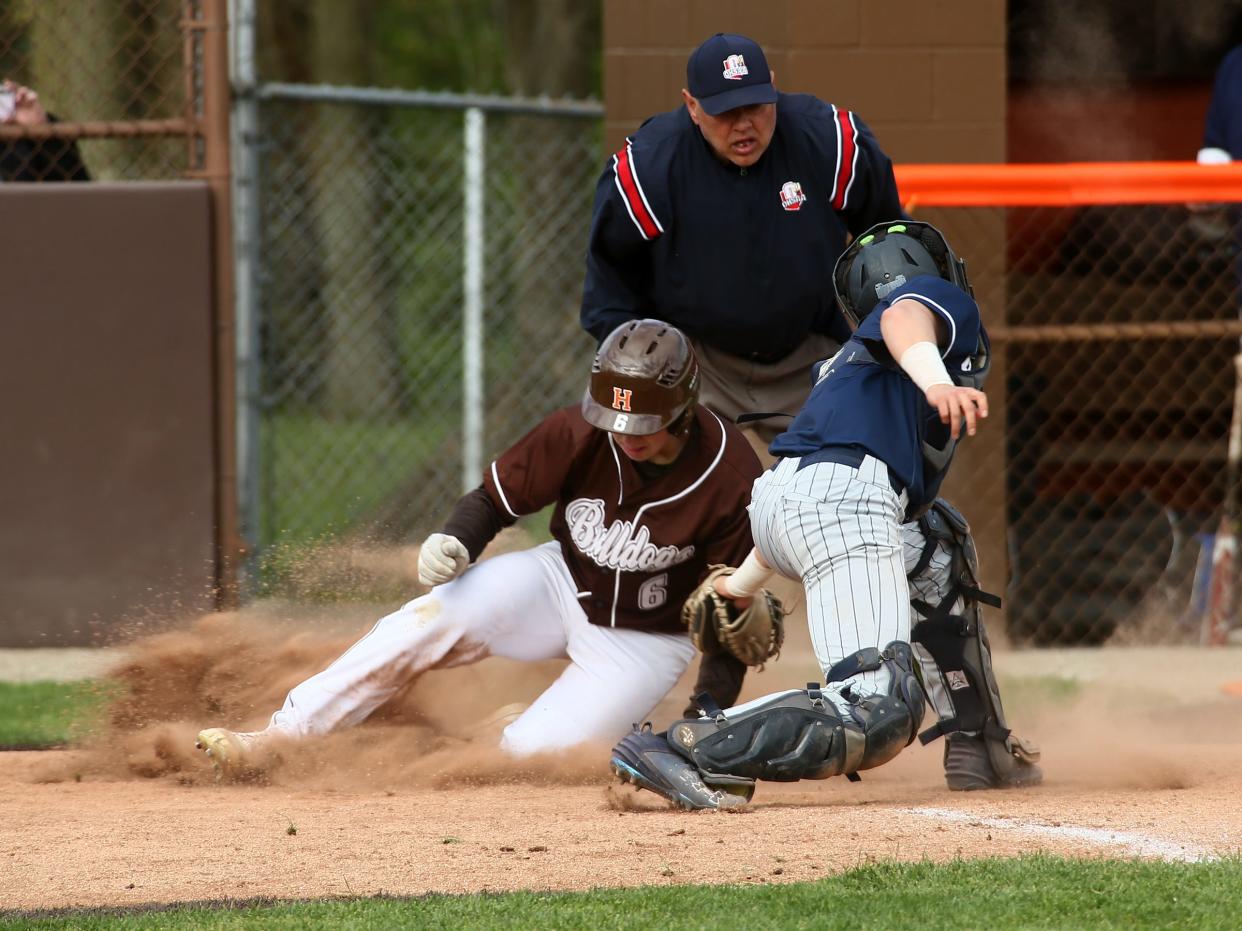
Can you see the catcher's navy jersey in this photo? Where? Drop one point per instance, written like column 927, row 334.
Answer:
column 863, row 398
column 1223, row 129
column 740, row 258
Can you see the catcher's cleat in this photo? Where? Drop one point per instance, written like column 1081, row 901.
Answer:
column 233, row 754
column 968, row 767
column 646, row 760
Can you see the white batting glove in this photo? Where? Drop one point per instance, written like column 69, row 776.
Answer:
column 441, row 559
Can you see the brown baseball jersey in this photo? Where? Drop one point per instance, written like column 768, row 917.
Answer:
column 636, row 546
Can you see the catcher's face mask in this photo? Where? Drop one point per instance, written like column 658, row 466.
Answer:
column 645, row 379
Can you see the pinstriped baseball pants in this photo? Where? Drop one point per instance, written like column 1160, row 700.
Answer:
column 838, row 529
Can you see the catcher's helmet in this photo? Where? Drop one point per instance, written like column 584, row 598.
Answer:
column 887, row 256
column 645, row 378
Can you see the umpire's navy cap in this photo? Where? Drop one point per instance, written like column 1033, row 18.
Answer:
column 729, row 71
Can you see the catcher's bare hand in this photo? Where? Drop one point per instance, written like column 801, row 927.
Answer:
column 721, row 585
column 956, row 404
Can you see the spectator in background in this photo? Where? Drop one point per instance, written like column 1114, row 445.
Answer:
column 1214, row 223
column 1222, row 143
column 1222, row 133
column 34, row 159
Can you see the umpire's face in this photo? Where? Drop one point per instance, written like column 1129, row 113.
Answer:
column 738, row 136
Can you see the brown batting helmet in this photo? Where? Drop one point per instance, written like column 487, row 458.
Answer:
column 645, row 378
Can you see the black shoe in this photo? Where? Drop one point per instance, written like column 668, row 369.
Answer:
column 968, row 767
column 646, row 760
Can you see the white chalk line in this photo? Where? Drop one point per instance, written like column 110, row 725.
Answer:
column 1138, row 845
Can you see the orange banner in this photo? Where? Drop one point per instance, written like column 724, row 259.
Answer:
column 1067, row 184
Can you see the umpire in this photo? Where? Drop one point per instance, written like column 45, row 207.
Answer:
column 725, row 217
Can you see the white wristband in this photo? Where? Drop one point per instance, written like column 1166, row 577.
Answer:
column 748, row 578
column 923, row 364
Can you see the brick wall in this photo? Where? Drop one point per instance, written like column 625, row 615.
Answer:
column 928, row 76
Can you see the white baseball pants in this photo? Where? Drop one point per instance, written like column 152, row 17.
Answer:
column 838, row 529
column 522, row 606
column 933, row 583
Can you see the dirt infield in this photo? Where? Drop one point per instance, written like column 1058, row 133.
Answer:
column 1146, row 760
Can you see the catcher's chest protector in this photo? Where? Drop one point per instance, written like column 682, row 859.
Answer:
column 936, row 460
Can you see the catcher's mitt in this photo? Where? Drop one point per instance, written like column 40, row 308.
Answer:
column 754, row 636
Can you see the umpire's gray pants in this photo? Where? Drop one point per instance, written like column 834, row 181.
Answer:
column 732, row 385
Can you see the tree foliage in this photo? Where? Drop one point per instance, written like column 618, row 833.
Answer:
column 486, row 46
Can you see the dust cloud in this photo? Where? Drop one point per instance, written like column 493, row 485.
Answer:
column 1132, row 729
column 234, row 670
column 1145, row 719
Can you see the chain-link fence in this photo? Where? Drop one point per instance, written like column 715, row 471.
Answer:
column 1115, row 329
column 418, row 261
column 383, row 219
column 99, row 89
column 408, row 281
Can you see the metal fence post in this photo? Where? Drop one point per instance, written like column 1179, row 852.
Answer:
column 206, row 26
column 247, row 263
column 472, row 322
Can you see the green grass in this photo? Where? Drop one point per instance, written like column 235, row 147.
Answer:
column 47, row 714
column 329, row 481
column 1030, row 892
column 325, row 474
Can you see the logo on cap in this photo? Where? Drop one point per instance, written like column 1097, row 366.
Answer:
column 735, row 68
column 792, row 197
column 621, row 398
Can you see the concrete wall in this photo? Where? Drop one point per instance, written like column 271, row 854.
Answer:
column 107, row 489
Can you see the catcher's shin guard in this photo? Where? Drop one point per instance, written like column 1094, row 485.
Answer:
column 955, row 662
column 955, row 659
column 801, row 735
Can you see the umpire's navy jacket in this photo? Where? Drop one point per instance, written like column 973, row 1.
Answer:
column 740, row 258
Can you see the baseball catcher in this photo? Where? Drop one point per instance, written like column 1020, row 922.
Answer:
column 866, row 455
column 942, row 569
